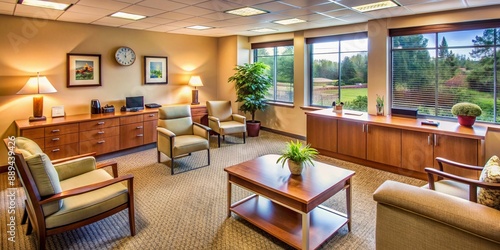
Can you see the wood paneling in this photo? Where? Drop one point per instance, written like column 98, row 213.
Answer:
column 322, row 133
column 383, row 145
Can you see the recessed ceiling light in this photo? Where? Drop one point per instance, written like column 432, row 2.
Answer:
column 45, row 4
column 246, row 11
column 128, row 16
column 199, row 27
column 263, row 30
column 289, row 21
column 375, row 6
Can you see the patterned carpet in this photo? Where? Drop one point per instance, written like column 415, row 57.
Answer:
column 188, row 210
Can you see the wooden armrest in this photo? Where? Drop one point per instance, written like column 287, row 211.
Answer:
column 112, row 164
column 202, row 126
column 441, row 160
column 72, row 158
column 165, row 131
column 86, row 189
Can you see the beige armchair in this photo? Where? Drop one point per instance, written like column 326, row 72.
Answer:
column 222, row 120
column 178, row 135
column 69, row 193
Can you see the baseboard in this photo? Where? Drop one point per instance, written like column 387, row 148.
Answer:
column 284, row 133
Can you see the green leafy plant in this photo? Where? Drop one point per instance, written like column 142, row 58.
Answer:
column 252, row 83
column 466, row 109
column 380, row 101
column 297, row 152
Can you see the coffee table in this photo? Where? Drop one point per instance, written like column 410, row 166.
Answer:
column 289, row 206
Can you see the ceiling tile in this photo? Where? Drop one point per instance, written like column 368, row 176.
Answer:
column 78, row 17
column 198, row 20
column 295, row 12
column 219, row 5
column 325, row 7
column 8, row 1
column 340, row 13
column 139, row 25
column 112, row 21
column 141, row 10
column 195, row 11
column 275, row 6
column 220, row 16
column 352, row 3
column 7, row 8
column 190, row 2
column 163, row 28
column 157, row 20
column 305, row 3
column 104, row 4
column 162, row 4
column 248, row 2
column 89, row 10
column 435, row 6
column 477, row 3
column 129, row 1
column 175, row 16
column 36, row 12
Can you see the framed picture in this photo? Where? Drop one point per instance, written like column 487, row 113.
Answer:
column 84, row 70
column 155, row 70
column 58, row 111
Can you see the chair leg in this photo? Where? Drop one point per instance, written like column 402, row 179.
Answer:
column 218, row 140
column 208, row 150
column 158, row 156
column 42, row 239
column 172, row 166
column 25, row 215
column 29, row 229
column 244, row 139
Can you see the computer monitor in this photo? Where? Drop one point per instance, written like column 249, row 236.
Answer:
column 135, row 102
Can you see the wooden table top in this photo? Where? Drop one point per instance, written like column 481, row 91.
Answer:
column 314, row 181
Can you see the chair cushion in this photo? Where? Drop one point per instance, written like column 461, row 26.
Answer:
column 189, row 143
column 176, row 119
column 83, row 206
column 232, row 127
column 491, row 174
column 220, row 109
column 27, row 147
column 46, row 180
column 452, row 188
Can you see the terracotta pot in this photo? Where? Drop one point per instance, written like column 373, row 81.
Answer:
column 295, row 167
column 466, row 121
column 253, row 128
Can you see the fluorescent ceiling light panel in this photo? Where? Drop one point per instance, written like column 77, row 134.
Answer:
column 128, row 16
column 375, row 6
column 246, row 11
column 289, row 21
column 199, row 27
column 263, row 30
column 44, row 4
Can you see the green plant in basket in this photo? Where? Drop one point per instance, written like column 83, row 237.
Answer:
column 297, row 152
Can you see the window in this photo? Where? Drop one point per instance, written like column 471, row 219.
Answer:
column 279, row 57
column 435, row 67
column 339, row 70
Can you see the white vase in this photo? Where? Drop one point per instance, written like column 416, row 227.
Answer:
column 295, row 167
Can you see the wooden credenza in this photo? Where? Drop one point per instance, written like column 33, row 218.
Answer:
column 396, row 144
column 100, row 133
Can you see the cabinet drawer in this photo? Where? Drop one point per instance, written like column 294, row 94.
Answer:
column 33, row 133
column 100, row 146
column 99, row 124
column 99, row 133
column 60, row 140
column 62, row 151
column 61, row 129
column 131, row 135
column 150, row 117
column 130, row 119
column 199, row 111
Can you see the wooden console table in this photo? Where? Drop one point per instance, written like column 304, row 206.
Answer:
column 397, row 144
column 101, row 133
column 287, row 206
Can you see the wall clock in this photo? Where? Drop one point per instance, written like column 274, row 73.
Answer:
column 125, row 56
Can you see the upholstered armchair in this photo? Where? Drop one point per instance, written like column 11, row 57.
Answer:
column 69, row 193
column 222, row 120
column 178, row 135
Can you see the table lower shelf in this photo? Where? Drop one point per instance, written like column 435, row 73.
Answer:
column 286, row 224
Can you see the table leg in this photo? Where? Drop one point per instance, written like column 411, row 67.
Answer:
column 228, row 198
column 349, row 203
column 305, row 230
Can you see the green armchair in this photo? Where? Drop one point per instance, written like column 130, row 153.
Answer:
column 69, row 193
column 178, row 135
column 222, row 120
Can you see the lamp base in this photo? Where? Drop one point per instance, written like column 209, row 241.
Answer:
column 37, row 118
column 194, row 95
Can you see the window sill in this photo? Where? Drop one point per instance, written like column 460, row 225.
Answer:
column 312, row 108
column 281, row 104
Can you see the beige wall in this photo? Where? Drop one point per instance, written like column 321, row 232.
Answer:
column 28, row 46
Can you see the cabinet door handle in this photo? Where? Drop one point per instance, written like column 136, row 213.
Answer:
column 55, row 130
column 367, row 128
column 140, row 135
column 101, row 142
column 138, row 127
column 363, row 128
column 152, row 115
column 429, row 139
column 435, row 140
column 100, row 132
column 55, row 139
column 101, row 123
column 55, row 150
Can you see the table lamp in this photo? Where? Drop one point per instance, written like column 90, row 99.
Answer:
column 196, row 82
column 37, row 85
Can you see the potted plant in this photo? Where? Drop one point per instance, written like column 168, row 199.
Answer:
column 297, row 156
column 252, row 83
column 466, row 113
column 380, row 105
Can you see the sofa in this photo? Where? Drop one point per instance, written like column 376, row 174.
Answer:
column 410, row 217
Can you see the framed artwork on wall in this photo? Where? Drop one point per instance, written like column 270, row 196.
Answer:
column 155, row 70
column 84, row 70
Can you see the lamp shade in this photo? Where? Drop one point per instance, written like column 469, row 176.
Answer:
column 195, row 81
column 37, row 85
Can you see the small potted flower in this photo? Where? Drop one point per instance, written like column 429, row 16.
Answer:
column 380, row 105
column 466, row 113
column 297, row 156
